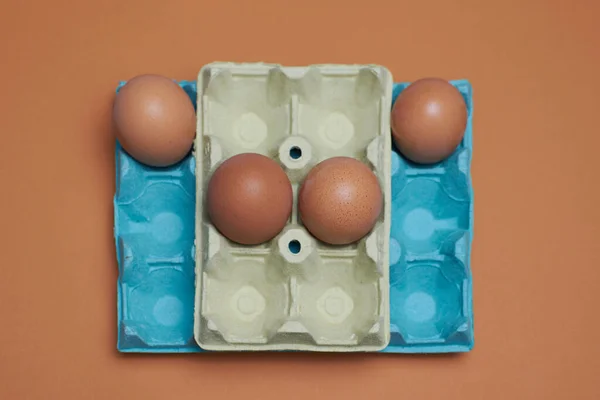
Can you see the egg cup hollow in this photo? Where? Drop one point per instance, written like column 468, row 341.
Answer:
column 431, row 297
column 293, row 292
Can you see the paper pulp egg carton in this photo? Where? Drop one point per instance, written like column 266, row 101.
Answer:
column 294, row 292
column 154, row 236
column 431, row 234
column 430, row 279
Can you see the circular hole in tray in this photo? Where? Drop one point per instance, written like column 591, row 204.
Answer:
column 295, row 153
column 294, row 246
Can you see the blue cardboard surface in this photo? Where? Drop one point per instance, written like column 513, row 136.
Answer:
column 431, row 234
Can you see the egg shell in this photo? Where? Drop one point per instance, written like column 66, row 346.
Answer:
column 249, row 198
column 428, row 120
column 155, row 120
column 340, row 200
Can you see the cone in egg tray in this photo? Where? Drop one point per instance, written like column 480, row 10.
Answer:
column 249, row 198
column 428, row 120
column 340, row 200
column 155, row 120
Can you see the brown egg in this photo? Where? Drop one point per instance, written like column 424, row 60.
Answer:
column 429, row 119
column 249, row 198
column 340, row 200
column 155, row 120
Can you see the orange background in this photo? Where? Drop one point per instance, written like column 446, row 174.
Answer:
column 534, row 66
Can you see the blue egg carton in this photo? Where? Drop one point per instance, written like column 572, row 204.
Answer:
column 431, row 233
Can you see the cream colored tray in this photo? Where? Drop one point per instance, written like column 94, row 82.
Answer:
column 272, row 296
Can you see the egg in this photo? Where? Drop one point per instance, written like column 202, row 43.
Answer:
column 249, row 199
column 428, row 120
column 155, row 120
column 340, row 200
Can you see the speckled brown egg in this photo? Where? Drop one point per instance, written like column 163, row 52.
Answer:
column 249, row 198
column 155, row 120
column 429, row 119
column 340, row 200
